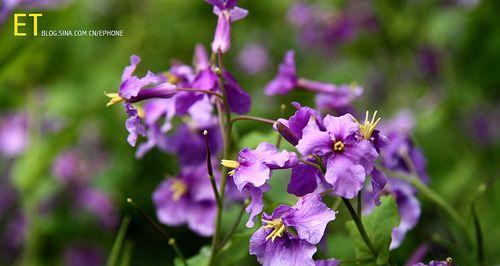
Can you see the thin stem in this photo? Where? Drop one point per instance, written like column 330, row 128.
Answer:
column 118, row 243
column 253, row 118
column 226, row 142
column 360, row 227
column 311, row 164
column 201, row 91
column 211, row 172
column 282, row 113
column 359, row 205
column 171, row 241
column 235, row 225
column 479, row 236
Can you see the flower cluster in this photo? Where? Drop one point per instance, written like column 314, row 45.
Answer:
column 335, row 154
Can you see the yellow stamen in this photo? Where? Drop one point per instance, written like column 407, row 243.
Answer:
column 277, row 226
column 113, row 98
column 140, row 111
column 178, row 189
column 369, row 126
column 230, row 164
column 171, row 78
column 338, row 146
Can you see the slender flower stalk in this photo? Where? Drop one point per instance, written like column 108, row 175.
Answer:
column 253, row 118
column 211, row 172
column 282, row 113
column 226, row 143
column 481, row 259
column 235, row 225
column 170, row 240
column 359, row 225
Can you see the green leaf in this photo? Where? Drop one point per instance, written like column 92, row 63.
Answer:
column 378, row 225
column 235, row 250
column 198, row 260
column 117, row 245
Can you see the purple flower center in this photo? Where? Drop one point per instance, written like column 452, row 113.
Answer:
column 338, row 146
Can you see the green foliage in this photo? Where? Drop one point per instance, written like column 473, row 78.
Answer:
column 378, row 225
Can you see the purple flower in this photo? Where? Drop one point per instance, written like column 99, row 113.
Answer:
column 69, row 167
column 328, row 262
column 187, row 198
column 253, row 59
column 10, row 5
column 134, row 89
column 227, row 12
column 83, row 255
column 330, row 97
column 291, row 129
column 275, row 244
column 206, row 79
column 13, row 134
column 408, row 208
column 339, row 98
column 447, row 262
column 252, row 170
column 238, row 99
column 286, row 79
column 98, row 204
column 348, row 157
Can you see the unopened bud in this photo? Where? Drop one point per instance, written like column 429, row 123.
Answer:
column 287, row 133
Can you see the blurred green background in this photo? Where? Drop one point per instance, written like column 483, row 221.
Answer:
column 440, row 59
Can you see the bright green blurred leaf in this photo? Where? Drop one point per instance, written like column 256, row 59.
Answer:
column 378, row 225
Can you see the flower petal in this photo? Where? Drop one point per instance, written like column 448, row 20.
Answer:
column 303, row 180
column 309, row 217
column 346, row 178
column 282, row 251
column 314, row 141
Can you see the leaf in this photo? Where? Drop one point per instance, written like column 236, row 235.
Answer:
column 119, row 239
column 235, row 250
column 201, row 259
column 378, row 225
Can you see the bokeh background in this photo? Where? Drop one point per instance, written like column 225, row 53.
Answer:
column 438, row 59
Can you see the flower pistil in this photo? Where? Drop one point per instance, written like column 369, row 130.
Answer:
column 178, row 189
column 113, row 98
column 277, row 226
column 230, row 164
column 368, row 127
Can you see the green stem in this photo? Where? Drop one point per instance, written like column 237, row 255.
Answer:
column 253, row 118
column 211, row 172
column 360, row 227
column 235, row 226
column 359, row 205
column 226, row 143
column 117, row 245
column 479, row 237
column 170, row 240
column 282, row 112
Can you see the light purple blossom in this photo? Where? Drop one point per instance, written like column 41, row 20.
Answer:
column 254, row 168
column 83, row 255
column 187, row 199
column 98, row 204
column 329, row 97
column 13, row 134
column 253, row 59
column 348, row 157
column 227, row 12
column 134, row 89
column 273, row 244
column 286, row 79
